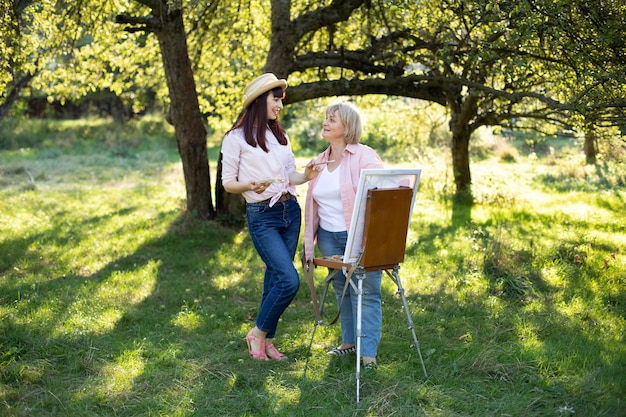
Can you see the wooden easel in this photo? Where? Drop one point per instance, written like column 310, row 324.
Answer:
column 387, row 216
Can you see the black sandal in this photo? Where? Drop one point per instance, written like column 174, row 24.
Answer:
column 340, row 352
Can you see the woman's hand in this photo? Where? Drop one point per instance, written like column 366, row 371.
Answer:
column 313, row 168
column 258, row 187
column 307, row 264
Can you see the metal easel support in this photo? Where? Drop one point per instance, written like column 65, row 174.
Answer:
column 395, row 277
column 360, row 276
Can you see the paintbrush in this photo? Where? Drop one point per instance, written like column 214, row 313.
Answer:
column 322, row 163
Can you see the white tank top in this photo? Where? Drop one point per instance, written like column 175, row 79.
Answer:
column 327, row 194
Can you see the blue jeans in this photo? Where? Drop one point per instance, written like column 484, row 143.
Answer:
column 275, row 232
column 334, row 243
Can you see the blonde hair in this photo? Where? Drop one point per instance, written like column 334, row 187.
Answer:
column 350, row 117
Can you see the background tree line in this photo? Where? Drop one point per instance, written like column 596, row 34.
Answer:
column 510, row 64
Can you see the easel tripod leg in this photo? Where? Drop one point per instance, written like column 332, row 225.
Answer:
column 396, row 278
column 359, row 319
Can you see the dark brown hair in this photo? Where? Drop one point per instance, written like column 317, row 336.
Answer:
column 254, row 122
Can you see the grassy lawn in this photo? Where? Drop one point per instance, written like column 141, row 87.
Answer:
column 113, row 303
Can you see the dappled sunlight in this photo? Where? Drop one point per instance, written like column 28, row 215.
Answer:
column 587, row 321
column 25, row 219
column 118, row 376
column 98, row 307
column 224, row 282
column 184, row 392
column 582, row 211
column 553, row 275
column 470, row 287
column 136, row 308
column 188, row 320
column 114, row 380
column 279, row 394
column 230, row 265
column 529, row 338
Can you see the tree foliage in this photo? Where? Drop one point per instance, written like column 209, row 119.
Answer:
column 587, row 37
column 488, row 63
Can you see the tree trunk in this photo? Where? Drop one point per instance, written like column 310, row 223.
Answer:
column 231, row 208
column 462, row 111
column 14, row 93
column 591, row 145
column 283, row 41
column 185, row 115
column 460, row 160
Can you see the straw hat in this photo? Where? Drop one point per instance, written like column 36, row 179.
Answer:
column 260, row 85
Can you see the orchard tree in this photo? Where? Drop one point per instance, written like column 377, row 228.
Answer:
column 9, row 28
column 30, row 37
column 588, row 37
column 468, row 56
column 489, row 63
column 76, row 51
column 164, row 19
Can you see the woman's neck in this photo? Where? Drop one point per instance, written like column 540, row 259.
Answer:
column 336, row 150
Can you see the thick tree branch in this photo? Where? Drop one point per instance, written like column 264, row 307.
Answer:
column 368, row 60
column 410, row 86
column 337, row 11
column 352, row 60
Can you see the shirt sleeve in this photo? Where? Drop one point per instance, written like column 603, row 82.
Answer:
column 290, row 160
column 230, row 159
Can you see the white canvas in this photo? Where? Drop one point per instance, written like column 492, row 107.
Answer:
column 375, row 178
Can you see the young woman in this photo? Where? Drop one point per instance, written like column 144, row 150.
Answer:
column 328, row 213
column 257, row 162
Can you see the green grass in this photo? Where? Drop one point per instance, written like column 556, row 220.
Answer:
column 114, row 303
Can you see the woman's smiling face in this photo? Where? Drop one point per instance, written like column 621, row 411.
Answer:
column 333, row 128
column 274, row 105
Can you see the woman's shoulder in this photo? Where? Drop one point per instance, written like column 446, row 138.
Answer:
column 236, row 133
column 367, row 155
column 360, row 148
column 233, row 137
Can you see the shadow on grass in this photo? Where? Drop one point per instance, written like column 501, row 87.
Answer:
column 169, row 351
column 179, row 350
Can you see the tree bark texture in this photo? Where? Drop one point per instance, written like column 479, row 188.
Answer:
column 591, row 145
column 462, row 111
column 286, row 33
column 185, row 114
column 230, row 207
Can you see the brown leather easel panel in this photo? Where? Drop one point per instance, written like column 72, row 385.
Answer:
column 386, row 226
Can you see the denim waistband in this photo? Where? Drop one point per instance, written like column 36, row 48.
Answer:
column 284, row 197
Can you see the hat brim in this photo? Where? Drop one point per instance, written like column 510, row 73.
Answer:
column 266, row 87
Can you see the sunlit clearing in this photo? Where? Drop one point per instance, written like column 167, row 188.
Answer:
column 226, row 281
column 97, row 310
column 583, row 211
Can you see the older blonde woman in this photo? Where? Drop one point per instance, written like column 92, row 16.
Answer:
column 328, row 213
